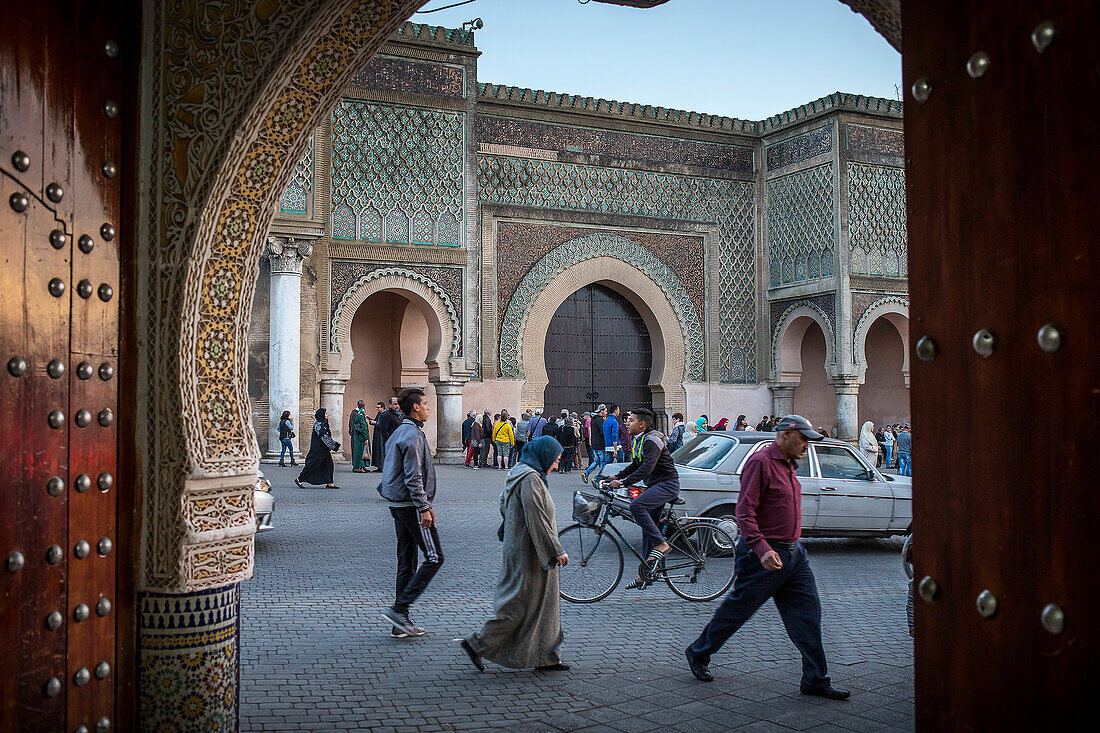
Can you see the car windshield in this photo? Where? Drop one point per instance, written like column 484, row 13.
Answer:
column 705, row 451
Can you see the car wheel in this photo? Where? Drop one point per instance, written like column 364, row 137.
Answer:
column 724, row 515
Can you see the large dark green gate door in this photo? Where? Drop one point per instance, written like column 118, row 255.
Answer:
column 597, row 350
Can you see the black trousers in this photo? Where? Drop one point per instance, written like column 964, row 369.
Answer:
column 794, row 590
column 412, row 581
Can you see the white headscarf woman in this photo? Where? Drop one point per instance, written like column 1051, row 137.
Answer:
column 868, row 443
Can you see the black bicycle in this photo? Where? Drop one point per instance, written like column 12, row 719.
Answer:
column 695, row 566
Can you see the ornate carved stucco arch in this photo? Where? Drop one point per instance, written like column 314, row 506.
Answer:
column 444, row 332
column 665, row 331
column 236, row 89
column 584, row 249
column 893, row 308
column 787, row 342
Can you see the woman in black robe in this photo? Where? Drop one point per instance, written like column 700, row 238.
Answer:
column 377, row 451
column 318, row 466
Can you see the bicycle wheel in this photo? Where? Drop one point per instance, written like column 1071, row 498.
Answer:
column 595, row 564
column 696, row 566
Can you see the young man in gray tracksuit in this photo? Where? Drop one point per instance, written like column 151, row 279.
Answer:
column 408, row 482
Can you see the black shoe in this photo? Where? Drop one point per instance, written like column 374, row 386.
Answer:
column 474, row 656
column 298, row 481
column 584, row 477
column 828, row 691
column 559, row 667
column 282, row 465
column 700, row 670
column 293, row 463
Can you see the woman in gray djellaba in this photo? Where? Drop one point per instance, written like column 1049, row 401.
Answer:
column 526, row 630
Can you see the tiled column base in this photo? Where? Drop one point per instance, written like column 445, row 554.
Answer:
column 189, row 675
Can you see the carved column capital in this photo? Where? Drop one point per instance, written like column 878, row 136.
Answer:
column 448, row 388
column 286, row 254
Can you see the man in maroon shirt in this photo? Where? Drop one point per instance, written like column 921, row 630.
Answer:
column 771, row 562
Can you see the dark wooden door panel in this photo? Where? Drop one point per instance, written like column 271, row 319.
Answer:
column 597, row 351
column 60, row 150
column 1002, row 197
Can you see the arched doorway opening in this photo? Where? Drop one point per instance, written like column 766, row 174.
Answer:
column 884, row 395
column 597, row 350
column 390, row 341
column 814, row 398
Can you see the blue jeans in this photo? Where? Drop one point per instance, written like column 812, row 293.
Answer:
column 646, row 510
column 600, row 460
column 887, row 455
column 288, row 445
column 905, row 464
column 794, row 590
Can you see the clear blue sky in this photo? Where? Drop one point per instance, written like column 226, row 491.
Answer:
column 727, row 57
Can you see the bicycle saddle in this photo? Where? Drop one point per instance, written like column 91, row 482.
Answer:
column 678, row 500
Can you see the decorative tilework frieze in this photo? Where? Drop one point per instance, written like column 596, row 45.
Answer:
column 189, row 650
column 600, row 244
column 519, row 245
column 800, row 225
column 409, row 31
column 493, row 130
column 800, row 148
column 406, row 75
column 876, row 220
column 345, row 275
column 396, row 165
column 825, row 304
column 879, row 140
column 729, row 204
column 296, row 196
column 525, row 96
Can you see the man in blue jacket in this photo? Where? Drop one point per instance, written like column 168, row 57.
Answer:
column 408, row 482
column 611, row 433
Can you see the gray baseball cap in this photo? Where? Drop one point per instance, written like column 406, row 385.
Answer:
column 799, row 423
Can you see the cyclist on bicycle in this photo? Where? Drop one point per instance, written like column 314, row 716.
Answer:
column 652, row 463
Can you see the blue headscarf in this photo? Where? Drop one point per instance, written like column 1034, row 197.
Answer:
column 541, row 453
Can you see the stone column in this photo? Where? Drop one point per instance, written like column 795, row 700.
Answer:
column 783, row 398
column 448, row 417
column 332, row 399
column 285, row 254
column 847, row 409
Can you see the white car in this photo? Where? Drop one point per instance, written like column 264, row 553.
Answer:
column 265, row 503
column 842, row 495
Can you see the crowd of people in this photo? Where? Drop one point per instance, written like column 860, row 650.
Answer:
column 891, row 446
column 589, row 440
column 525, row 630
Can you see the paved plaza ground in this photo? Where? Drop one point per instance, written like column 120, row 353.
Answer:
column 316, row 655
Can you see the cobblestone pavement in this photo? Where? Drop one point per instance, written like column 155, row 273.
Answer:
column 316, row 655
